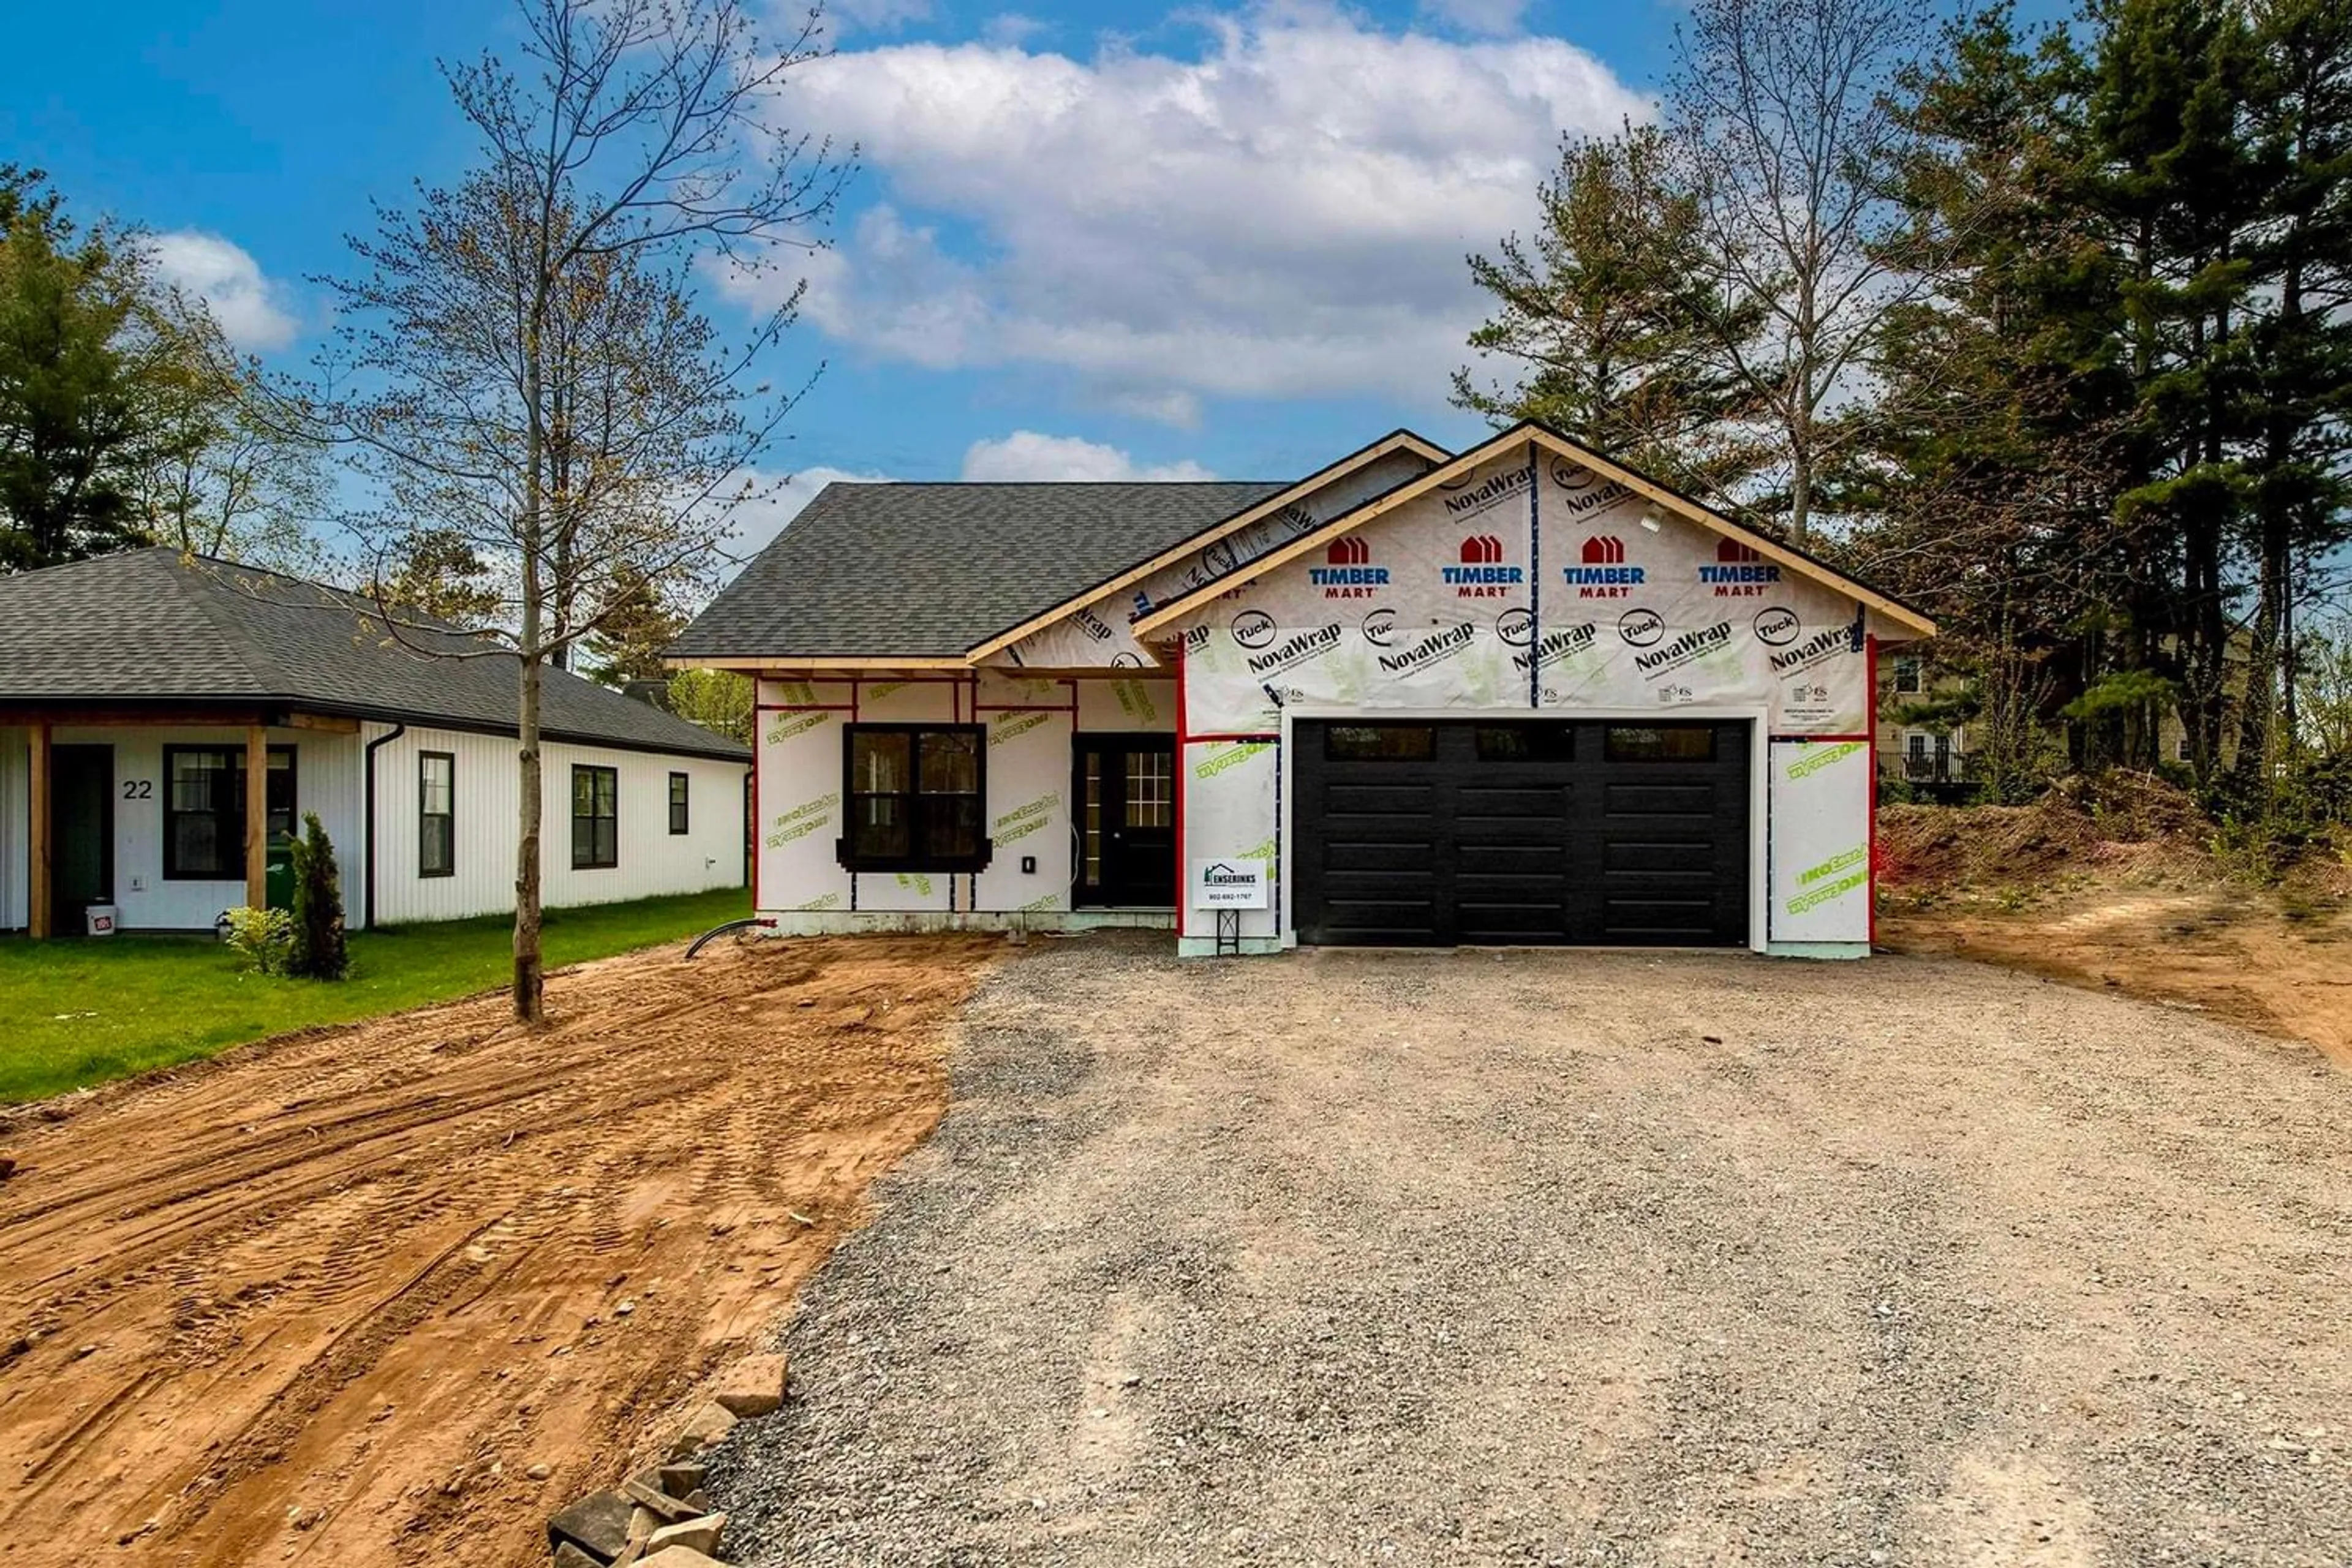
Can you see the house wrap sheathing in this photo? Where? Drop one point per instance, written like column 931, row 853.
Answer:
column 1522, row 695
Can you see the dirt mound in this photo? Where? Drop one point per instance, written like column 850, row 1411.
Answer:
column 2124, row 822
column 394, row 1293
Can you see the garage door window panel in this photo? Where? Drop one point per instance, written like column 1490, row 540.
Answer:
column 1380, row 742
column 915, row 796
column 1660, row 743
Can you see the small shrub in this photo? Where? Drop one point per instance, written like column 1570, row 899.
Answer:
column 318, row 951
column 263, row 939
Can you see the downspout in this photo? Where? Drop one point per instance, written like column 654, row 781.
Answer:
column 367, row 766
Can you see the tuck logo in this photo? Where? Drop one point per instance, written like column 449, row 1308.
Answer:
column 1347, row 571
column 1253, row 628
column 1777, row 626
column 1604, row 574
column 1640, row 629
column 1380, row 628
column 1739, row 572
column 1482, row 574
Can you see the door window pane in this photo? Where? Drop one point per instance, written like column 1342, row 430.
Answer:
column 1151, row 789
column 1093, row 823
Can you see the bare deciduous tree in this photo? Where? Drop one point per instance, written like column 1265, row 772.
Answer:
column 532, row 380
column 1781, row 108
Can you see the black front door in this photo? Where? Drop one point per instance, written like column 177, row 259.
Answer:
column 82, row 831
column 1126, row 790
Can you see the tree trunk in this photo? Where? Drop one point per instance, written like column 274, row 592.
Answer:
column 530, row 983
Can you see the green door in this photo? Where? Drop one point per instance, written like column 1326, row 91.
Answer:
column 81, row 832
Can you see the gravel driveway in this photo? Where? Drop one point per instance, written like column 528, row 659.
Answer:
column 1580, row 1258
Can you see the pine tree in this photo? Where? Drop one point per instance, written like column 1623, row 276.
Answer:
column 319, row 953
column 1608, row 312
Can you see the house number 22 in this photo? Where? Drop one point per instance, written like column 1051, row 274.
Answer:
column 138, row 789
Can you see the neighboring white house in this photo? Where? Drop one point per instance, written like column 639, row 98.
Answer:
column 1520, row 694
column 138, row 692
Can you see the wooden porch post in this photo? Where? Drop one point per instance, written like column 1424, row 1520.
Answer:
column 38, row 915
column 257, row 816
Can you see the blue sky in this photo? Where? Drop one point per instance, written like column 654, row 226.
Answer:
column 1086, row 241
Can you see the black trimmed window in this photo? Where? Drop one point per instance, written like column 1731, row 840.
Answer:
column 1659, row 743
column 1909, row 676
column 677, row 803
column 595, row 817
column 914, row 793
column 437, row 814
column 204, row 810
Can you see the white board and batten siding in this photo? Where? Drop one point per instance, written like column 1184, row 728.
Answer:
column 486, row 787
column 326, row 778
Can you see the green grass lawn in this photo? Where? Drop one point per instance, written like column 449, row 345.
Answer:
column 76, row 1013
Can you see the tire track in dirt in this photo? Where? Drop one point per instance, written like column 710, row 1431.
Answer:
column 336, row 1295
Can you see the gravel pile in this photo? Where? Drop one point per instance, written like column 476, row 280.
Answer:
column 1581, row 1259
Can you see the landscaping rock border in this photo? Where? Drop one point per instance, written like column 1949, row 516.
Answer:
column 661, row 1517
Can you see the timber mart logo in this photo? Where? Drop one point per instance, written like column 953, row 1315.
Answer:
column 1253, row 628
column 1380, row 628
column 1347, row 571
column 1776, row 626
column 1482, row 574
column 1739, row 572
column 1583, row 490
column 1640, row 629
column 1603, row 573
column 1466, row 498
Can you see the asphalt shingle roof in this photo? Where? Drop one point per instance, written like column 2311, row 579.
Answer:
column 152, row 625
column 917, row 571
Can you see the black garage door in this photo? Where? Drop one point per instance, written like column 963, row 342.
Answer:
column 1478, row 831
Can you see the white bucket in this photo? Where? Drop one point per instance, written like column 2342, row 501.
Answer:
column 100, row 920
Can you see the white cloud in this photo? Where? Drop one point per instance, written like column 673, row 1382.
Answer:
column 780, row 499
column 229, row 282
column 1026, row 455
column 1285, row 215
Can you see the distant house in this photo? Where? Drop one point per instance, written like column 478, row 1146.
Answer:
column 140, row 692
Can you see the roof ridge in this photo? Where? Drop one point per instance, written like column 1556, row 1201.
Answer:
column 264, row 671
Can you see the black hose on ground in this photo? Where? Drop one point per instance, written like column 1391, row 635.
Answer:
column 695, row 945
